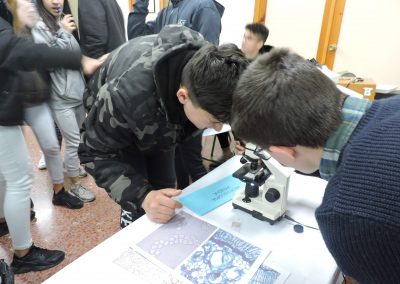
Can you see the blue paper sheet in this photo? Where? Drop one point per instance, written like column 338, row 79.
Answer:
column 212, row 196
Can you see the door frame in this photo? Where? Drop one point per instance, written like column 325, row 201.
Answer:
column 260, row 11
column 330, row 31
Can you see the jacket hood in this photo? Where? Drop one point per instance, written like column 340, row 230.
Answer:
column 177, row 45
column 265, row 49
column 175, row 2
column 220, row 8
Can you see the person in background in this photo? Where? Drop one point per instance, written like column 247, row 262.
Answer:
column 17, row 54
column 254, row 38
column 305, row 122
column 203, row 16
column 37, row 114
column 67, row 90
column 101, row 26
column 139, row 109
column 101, row 29
column 253, row 44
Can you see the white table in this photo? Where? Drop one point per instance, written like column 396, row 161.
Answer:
column 303, row 255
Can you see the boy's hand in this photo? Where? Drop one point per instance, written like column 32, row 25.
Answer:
column 159, row 206
column 239, row 147
column 68, row 24
column 90, row 65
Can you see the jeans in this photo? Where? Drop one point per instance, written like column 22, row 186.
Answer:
column 15, row 185
column 69, row 121
column 39, row 118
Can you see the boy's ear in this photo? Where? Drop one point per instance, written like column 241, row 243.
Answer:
column 288, row 153
column 260, row 44
column 183, row 95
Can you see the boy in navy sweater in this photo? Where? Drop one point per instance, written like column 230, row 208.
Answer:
column 305, row 122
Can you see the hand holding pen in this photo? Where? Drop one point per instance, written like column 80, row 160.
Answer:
column 67, row 23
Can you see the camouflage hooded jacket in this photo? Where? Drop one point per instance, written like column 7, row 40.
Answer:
column 133, row 109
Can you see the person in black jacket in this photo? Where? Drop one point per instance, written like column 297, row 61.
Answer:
column 17, row 54
column 101, row 26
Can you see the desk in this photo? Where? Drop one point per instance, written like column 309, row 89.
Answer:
column 303, row 255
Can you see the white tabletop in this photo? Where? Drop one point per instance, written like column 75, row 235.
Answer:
column 303, row 255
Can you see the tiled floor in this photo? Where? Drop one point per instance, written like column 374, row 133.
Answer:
column 73, row 231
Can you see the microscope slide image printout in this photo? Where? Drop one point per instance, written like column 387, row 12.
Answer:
column 143, row 269
column 175, row 241
column 265, row 275
column 224, row 258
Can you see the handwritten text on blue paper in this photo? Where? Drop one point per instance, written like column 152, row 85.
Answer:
column 212, row 196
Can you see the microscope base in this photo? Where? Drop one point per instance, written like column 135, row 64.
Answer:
column 256, row 214
column 259, row 208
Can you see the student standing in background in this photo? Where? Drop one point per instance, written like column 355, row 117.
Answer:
column 18, row 54
column 67, row 89
column 254, row 38
column 101, row 26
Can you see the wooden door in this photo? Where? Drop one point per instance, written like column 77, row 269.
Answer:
column 330, row 31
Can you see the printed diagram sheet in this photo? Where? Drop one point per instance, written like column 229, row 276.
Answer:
column 190, row 250
column 223, row 258
column 175, row 241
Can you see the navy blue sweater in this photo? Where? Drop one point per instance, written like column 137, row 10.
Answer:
column 359, row 217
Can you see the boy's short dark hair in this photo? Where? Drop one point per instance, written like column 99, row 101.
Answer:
column 284, row 100
column 211, row 76
column 258, row 29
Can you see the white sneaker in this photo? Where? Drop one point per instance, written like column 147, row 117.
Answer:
column 82, row 193
column 82, row 172
column 42, row 163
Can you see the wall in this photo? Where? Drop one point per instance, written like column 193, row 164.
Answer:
column 295, row 24
column 237, row 14
column 369, row 41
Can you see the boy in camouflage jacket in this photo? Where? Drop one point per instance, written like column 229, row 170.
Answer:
column 150, row 94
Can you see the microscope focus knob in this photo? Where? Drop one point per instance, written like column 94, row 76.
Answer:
column 272, row 195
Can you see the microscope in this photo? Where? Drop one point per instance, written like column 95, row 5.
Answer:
column 261, row 170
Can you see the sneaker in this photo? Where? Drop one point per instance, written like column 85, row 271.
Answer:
column 82, row 193
column 82, row 172
column 37, row 259
column 4, row 227
column 42, row 163
column 63, row 198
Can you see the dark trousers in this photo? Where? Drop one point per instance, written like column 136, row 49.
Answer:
column 188, row 161
column 158, row 169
